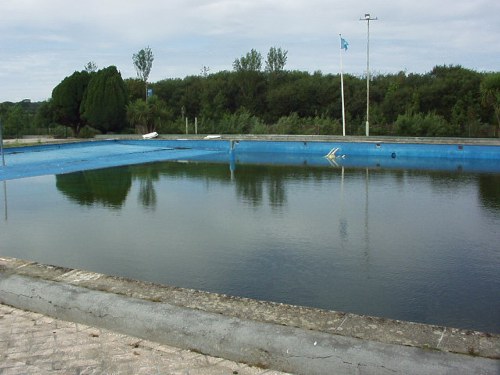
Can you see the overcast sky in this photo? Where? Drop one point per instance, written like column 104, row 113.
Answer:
column 43, row 41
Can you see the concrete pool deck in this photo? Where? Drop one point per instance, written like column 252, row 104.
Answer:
column 264, row 334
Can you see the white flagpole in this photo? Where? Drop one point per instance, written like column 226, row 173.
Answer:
column 342, row 87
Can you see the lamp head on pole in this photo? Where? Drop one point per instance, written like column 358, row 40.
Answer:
column 368, row 18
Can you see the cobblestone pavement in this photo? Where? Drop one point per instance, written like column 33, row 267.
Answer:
column 31, row 343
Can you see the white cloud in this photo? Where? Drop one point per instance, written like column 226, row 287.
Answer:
column 46, row 41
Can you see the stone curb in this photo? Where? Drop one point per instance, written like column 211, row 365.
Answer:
column 269, row 335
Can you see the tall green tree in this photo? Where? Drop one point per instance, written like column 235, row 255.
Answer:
column 147, row 116
column 67, row 99
column 135, row 88
column 138, row 115
column 276, row 60
column 91, row 67
column 217, row 96
column 490, row 94
column 444, row 86
column 143, row 62
column 103, row 106
column 15, row 121
column 44, row 117
column 252, row 62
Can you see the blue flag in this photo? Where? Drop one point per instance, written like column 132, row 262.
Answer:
column 343, row 44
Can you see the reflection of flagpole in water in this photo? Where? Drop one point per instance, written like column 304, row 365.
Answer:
column 367, row 232
column 342, row 220
column 232, row 163
column 342, row 186
column 5, row 198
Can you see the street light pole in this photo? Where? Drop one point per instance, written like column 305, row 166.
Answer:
column 367, row 18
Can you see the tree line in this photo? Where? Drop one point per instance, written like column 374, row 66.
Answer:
column 447, row 101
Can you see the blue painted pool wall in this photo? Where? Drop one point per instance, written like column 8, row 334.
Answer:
column 419, row 150
column 453, row 151
column 409, row 150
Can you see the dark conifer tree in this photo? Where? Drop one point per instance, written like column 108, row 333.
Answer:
column 104, row 103
column 67, row 98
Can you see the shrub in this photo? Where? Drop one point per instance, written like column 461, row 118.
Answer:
column 289, row 124
column 420, row 125
column 88, row 132
column 259, row 128
column 60, row 131
column 240, row 122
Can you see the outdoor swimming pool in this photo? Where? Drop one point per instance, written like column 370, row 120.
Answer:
column 371, row 235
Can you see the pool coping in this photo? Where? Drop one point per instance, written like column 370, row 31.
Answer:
column 316, row 138
column 38, row 279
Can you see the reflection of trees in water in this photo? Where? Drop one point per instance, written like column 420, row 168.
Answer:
column 444, row 182
column 253, row 181
column 249, row 186
column 108, row 187
column 488, row 185
column 147, row 193
column 489, row 191
column 147, row 175
column 277, row 193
